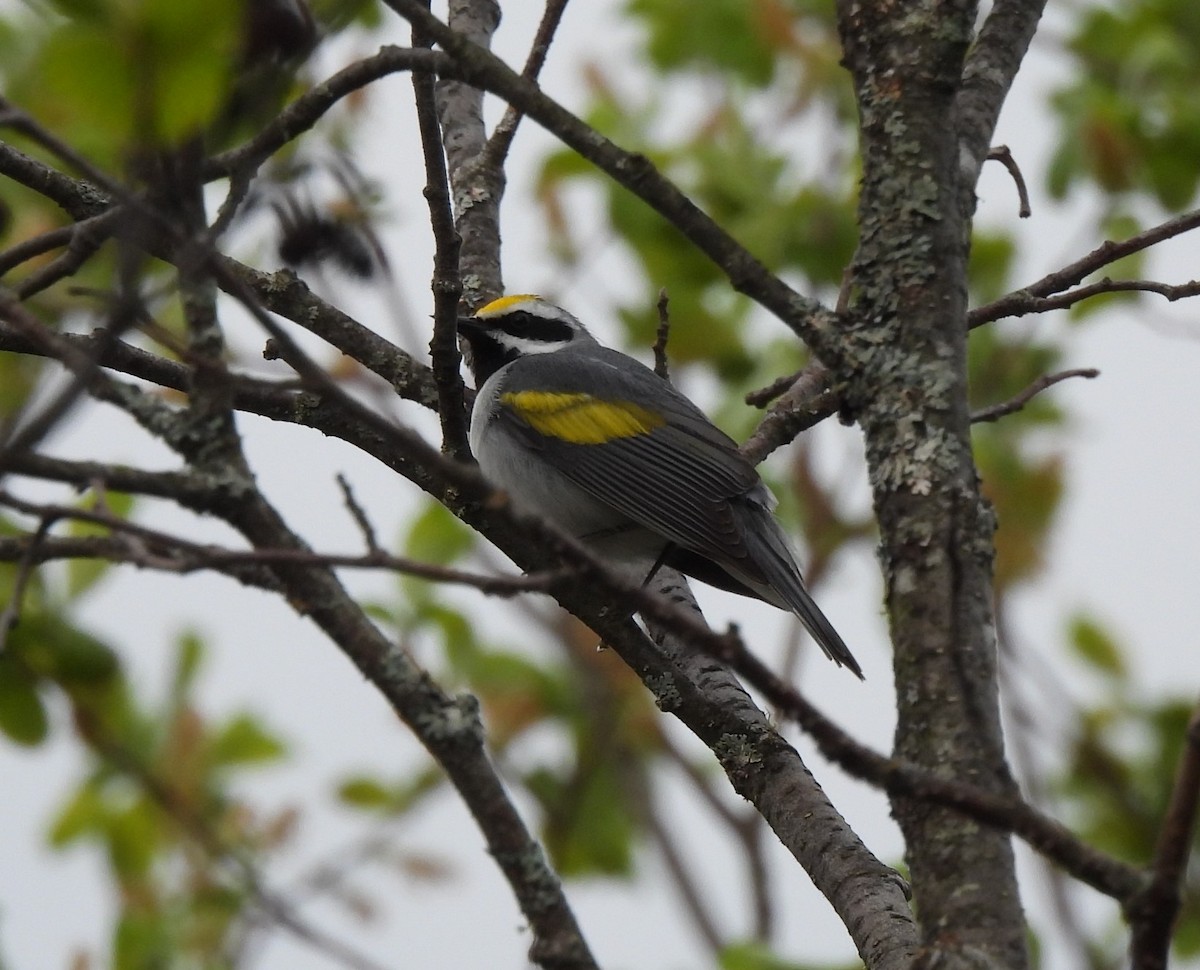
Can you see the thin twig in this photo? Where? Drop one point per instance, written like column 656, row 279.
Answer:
column 997, row 411
column 1028, row 300
column 765, row 395
column 359, row 515
column 36, row 246
column 502, row 138
column 25, row 567
column 171, row 553
column 806, row 402
column 85, row 239
column 1063, row 301
column 1004, row 156
column 303, row 113
column 661, row 365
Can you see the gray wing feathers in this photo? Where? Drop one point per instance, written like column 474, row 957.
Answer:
column 685, row 481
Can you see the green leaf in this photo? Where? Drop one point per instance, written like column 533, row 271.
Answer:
column 437, row 537
column 22, row 713
column 82, row 86
column 189, row 657
column 1094, row 646
column 752, row 955
column 134, row 838
column 244, row 741
column 589, row 828
column 71, row 657
column 729, row 35
column 370, row 794
column 142, row 940
column 85, row 813
column 191, row 46
column 365, row 792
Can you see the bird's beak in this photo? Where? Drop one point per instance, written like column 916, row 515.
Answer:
column 467, row 326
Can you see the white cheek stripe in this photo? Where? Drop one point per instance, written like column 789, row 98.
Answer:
column 525, row 345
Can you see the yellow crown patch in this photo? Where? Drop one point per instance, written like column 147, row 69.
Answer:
column 502, row 304
column 581, row 419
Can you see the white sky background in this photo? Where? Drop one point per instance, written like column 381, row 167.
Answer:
column 1125, row 548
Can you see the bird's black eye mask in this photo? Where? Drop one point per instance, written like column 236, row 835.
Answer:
column 521, row 324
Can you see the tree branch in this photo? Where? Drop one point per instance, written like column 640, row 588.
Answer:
column 813, row 322
column 303, row 113
column 998, row 411
column 1152, row 913
column 477, row 182
column 502, row 138
column 1004, row 156
column 446, row 284
column 1027, row 300
column 164, row 551
column 988, row 72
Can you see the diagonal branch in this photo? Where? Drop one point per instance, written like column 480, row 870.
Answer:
column 1014, row 404
column 812, row 322
column 988, row 73
column 1153, row 912
column 1026, row 300
column 502, row 138
column 303, row 113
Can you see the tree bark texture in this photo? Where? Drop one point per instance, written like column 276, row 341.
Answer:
column 905, row 371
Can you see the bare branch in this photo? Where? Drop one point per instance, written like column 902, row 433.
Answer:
column 1019, row 307
column 359, row 515
column 813, row 322
column 446, row 284
column 662, row 366
column 164, row 551
column 1028, row 299
column 477, row 183
column 25, row 566
column 807, row 401
column 998, row 411
column 1153, row 912
column 35, row 246
column 502, row 138
column 1004, row 156
column 988, row 72
column 1095, row 868
column 303, row 113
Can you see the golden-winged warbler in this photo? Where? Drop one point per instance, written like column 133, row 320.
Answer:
column 601, row 445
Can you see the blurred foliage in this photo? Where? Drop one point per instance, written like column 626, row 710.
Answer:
column 755, row 956
column 1128, row 124
column 1120, row 769
column 1130, row 120
column 158, row 801
column 744, row 104
column 592, row 796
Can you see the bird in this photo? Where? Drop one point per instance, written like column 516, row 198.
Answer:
column 598, row 443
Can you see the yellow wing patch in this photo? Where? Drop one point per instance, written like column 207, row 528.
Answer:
column 502, row 304
column 581, row 419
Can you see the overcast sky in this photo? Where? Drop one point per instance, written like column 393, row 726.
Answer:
column 1125, row 549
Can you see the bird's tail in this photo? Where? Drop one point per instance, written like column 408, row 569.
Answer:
column 771, row 554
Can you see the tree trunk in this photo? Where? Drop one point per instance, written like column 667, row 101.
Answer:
column 906, row 365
